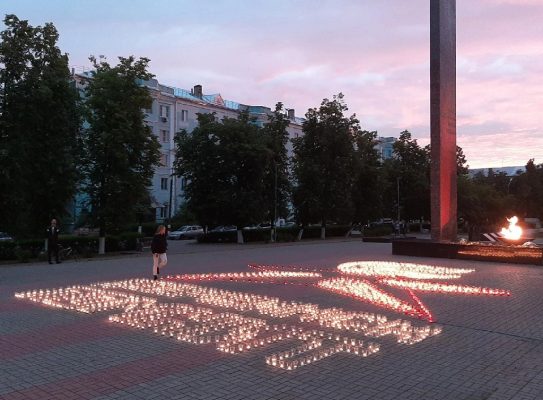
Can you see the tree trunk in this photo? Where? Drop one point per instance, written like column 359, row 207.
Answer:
column 240, row 236
column 323, row 232
column 102, row 245
column 300, row 234
column 102, row 239
column 349, row 231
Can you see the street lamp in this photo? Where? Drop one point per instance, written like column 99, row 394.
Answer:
column 273, row 229
column 168, row 226
column 398, row 190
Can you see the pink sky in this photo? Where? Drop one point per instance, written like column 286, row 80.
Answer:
column 299, row 52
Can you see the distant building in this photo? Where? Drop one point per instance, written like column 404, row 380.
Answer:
column 509, row 171
column 385, row 147
column 174, row 109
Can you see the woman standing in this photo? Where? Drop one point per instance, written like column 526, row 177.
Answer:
column 159, row 245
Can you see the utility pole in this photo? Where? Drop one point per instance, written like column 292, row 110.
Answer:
column 273, row 227
column 398, row 200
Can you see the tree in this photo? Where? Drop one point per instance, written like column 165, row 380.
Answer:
column 39, row 124
column 367, row 188
column 225, row 166
column 481, row 205
column 277, row 176
column 527, row 188
column 462, row 166
column 121, row 150
column 409, row 172
column 324, row 164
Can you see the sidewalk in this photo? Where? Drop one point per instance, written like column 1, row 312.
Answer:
column 488, row 348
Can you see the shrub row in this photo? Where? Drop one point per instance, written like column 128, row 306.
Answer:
column 24, row 250
column 288, row 234
column 376, row 231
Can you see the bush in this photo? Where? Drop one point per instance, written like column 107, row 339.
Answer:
column 147, row 228
column 24, row 250
column 23, row 254
column 129, row 240
column 376, row 231
column 21, row 250
column 216, row 237
column 257, row 235
column 7, row 250
column 289, row 234
column 251, row 235
column 314, row 231
column 33, row 246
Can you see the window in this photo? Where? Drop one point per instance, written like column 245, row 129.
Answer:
column 164, row 183
column 164, row 160
column 183, row 183
column 164, row 111
column 184, row 115
column 162, row 212
column 165, row 135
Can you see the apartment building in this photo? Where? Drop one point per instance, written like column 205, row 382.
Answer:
column 174, row 109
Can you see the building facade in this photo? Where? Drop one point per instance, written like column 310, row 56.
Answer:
column 174, row 109
column 385, row 147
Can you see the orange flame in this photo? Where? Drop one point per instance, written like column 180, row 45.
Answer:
column 514, row 232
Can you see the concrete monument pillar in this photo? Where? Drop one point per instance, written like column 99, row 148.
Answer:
column 443, row 118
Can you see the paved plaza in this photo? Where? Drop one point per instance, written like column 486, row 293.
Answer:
column 488, row 347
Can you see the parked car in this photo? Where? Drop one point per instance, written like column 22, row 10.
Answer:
column 224, row 228
column 4, row 237
column 186, row 232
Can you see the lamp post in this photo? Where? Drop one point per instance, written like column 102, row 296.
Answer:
column 168, row 226
column 398, row 200
column 273, row 228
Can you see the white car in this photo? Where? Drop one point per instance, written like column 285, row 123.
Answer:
column 186, row 232
column 4, row 237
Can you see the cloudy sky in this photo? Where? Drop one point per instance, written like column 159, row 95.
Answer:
column 376, row 52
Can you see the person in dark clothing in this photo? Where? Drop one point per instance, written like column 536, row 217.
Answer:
column 159, row 246
column 52, row 241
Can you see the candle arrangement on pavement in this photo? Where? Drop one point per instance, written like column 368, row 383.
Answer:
column 235, row 322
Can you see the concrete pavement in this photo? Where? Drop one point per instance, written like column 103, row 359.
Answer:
column 489, row 347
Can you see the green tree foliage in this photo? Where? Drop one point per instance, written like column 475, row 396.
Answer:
column 277, row 176
column 121, row 150
column 411, row 166
column 225, row 164
column 367, row 191
column 39, row 124
column 527, row 188
column 324, row 163
column 462, row 166
column 482, row 206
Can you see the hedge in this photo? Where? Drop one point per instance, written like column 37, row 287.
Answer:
column 314, row 231
column 288, row 234
column 376, row 231
column 24, row 250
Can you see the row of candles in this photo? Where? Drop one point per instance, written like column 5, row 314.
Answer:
column 86, row 299
column 245, row 276
column 262, row 267
column 399, row 269
column 106, row 296
column 312, row 352
column 234, row 333
column 424, row 286
column 366, row 291
column 265, row 305
column 230, row 332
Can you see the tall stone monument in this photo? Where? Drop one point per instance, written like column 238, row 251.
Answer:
column 443, row 118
